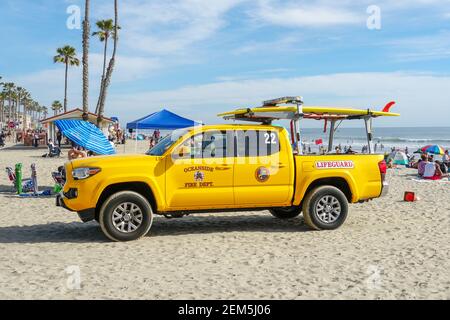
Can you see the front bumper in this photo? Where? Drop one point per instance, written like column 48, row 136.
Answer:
column 385, row 190
column 85, row 215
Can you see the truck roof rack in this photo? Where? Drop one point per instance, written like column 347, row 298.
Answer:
column 291, row 108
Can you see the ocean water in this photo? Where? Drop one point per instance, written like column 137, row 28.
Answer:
column 402, row 138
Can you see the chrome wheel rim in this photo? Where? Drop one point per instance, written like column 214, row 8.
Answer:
column 127, row 217
column 328, row 209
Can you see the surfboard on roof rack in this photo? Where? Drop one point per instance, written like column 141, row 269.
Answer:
column 270, row 113
column 292, row 108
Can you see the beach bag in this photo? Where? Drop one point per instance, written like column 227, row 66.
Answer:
column 444, row 168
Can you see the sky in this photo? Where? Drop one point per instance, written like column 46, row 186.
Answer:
column 199, row 58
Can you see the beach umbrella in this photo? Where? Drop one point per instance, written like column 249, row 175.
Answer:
column 86, row 135
column 434, row 149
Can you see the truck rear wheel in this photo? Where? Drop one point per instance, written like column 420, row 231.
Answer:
column 286, row 213
column 325, row 208
column 126, row 216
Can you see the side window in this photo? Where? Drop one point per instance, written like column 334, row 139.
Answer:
column 207, row 145
column 256, row 143
column 214, row 145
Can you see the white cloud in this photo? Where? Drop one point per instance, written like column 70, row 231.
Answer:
column 127, row 68
column 301, row 14
column 329, row 13
column 420, row 97
column 167, row 27
column 435, row 46
column 48, row 85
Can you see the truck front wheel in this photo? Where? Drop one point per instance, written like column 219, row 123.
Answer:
column 325, row 208
column 286, row 213
column 126, row 216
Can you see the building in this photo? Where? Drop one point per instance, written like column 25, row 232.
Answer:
column 76, row 114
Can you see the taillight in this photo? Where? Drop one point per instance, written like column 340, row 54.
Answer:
column 383, row 167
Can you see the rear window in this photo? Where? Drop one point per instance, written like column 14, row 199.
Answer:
column 257, row 143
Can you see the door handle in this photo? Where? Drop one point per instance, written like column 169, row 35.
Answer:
column 223, row 167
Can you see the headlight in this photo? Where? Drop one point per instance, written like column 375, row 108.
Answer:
column 84, row 173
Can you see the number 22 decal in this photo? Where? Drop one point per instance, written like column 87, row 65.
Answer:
column 270, row 138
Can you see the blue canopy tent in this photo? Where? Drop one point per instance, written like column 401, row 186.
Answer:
column 163, row 120
column 87, row 135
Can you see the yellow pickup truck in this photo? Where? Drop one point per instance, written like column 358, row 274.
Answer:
column 237, row 167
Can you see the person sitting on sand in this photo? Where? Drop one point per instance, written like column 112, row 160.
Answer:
column 443, row 167
column 422, row 164
column 54, row 150
column 433, row 171
column 77, row 153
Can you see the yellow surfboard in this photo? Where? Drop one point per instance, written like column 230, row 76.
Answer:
column 288, row 112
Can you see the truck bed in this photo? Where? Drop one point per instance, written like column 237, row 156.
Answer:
column 359, row 173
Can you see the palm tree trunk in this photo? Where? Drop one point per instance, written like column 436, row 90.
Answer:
column 110, row 67
column 86, row 35
column 65, row 86
column 18, row 109
column 2, row 104
column 9, row 108
column 25, row 116
column 105, row 51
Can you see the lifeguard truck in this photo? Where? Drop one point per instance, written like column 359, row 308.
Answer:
column 230, row 167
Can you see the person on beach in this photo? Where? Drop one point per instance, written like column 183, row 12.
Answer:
column 421, row 164
column 2, row 139
column 36, row 139
column 350, row 150
column 53, row 150
column 76, row 152
column 59, row 138
column 433, row 171
column 446, row 158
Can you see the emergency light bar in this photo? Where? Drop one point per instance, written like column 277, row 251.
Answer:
column 284, row 100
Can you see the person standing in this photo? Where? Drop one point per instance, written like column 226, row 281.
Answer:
column 446, row 158
column 59, row 138
column 36, row 138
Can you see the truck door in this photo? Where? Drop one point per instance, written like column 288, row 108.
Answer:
column 263, row 172
column 199, row 175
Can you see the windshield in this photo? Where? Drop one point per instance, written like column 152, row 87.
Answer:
column 165, row 143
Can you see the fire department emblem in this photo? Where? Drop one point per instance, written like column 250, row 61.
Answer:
column 262, row 174
column 199, row 176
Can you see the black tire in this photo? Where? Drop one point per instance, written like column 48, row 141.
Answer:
column 286, row 213
column 136, row 213
column 325, row 208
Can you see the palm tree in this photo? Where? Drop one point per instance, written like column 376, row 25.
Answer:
column 56, row 107
column 68, row 56
column 109, row 71
column 106, row 29
column 86, row 34
column 20, row 92
column 26, row 103
column 45, row 112
column 8, row 89
column 2, row 101
column 2, row 106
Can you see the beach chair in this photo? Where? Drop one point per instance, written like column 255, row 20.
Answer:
column 27, row 184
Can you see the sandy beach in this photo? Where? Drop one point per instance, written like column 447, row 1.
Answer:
column 387, row 249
